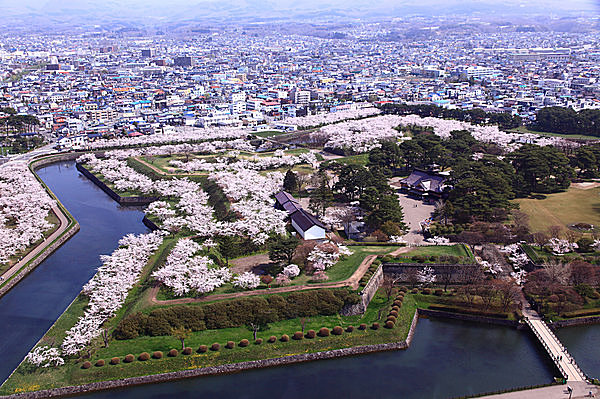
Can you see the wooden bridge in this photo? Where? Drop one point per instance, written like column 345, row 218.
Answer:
column 558, row 353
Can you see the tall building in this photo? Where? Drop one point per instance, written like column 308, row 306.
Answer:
column 186, row 61
column 147, row 53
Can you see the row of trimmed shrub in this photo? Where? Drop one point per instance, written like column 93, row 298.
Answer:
column 236, row 313
column 142, row 357
column 298, row 335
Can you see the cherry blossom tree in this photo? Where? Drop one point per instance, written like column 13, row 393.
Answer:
column 109, row 287
column 247, row 280
column 45, row 356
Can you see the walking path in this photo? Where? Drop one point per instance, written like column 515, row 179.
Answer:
column 350, row 282
column 64, row 222
column 563, row 360
column 580, row 390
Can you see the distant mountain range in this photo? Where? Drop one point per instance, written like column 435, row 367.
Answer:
column 155, row 12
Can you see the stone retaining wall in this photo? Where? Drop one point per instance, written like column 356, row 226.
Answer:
column 399, row 270
column 111, row 193
column 149, row 223
column 214, row 370
column 366, row 294
column 580, row 321
column 468, row 317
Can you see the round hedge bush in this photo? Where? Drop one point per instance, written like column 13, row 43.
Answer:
column 438, row 292
column 100, row 363
column 375, row 326
column 324, row 332
column 285, row 338
column 400, row 296
column 337, row 330
column 396, row 308
column 258, row 341
column 173, row 353
column 414, row 291
column 389, row 324
column 311, row 334
column 403, row 288
column 129, row 358
column 349, row 328
column 86, row 365
column 272, row 339
column 426, row 291
column 215, row 347
column 394, row 313
column 144, row 356
column 187, row 351
column 244, row 343
column 397, row 303
column 202, row 349
column 115, row 360
column 230, row 345
column 391, row 318
column 298, row 335
column 157, row 355
column 363, row 326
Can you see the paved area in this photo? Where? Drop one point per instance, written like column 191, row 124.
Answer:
column 414, row 212
column 580, row 390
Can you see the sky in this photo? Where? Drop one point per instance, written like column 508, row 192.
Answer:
column 174, row 9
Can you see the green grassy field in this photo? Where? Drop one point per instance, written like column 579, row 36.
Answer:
column 269, row 133
column 569, row 207
column 26, row 378
column 458, row 250
column 356, row 160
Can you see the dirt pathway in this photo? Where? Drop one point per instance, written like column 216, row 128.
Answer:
column 352, row 282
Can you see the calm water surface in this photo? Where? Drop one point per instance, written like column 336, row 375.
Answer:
column 446, row 359
column 29, row 309
column 583, row 342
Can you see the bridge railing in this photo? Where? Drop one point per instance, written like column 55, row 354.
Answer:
column 567, row 354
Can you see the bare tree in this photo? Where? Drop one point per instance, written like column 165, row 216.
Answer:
column 412, row 276
column 583, row 273
column 446, row 275
column 540, row 238
column 303, row 321
column 181, row 334
column 555, row 231
column 105, row 336
column 487, row 292
column 572, row 236
column 507, row 292
column 388, row 286
column 558, row 273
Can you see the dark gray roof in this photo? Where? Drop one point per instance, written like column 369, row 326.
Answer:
column 283, row 197
column 305, row 220
column 425, row 181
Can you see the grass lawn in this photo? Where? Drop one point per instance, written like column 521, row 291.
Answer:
column 269, row 133
column 569, row 207
column 356, row 160
column 26, row 378
column 458, row 250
